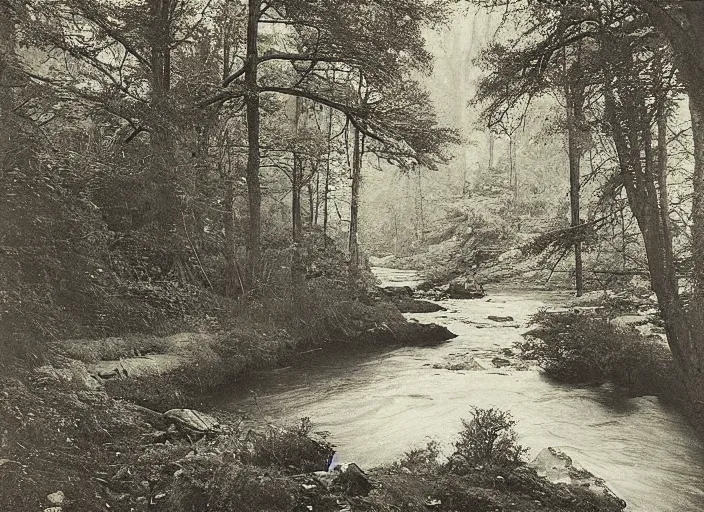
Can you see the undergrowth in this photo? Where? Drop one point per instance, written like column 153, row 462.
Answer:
column 583, row 349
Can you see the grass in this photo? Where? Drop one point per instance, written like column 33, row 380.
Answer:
column 112, row 349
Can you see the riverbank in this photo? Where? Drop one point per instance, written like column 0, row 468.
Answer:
column 66, row 449
column 408, row 394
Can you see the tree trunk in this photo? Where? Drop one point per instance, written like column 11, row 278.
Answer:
column 254, row 193
column 662, row 184
column 685, row 330
column 354, row 202
column 233, row 280
column 575, row 103
column 297, row 270
column 326, row 186
column 311, row 203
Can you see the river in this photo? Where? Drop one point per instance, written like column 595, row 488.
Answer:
column 377, row 406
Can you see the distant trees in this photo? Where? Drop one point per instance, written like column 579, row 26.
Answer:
column 372, row 62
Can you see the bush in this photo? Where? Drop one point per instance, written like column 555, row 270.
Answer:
column 488, row 440
column 588, row 350
column 207, row 484
column 419, row 459
column 291, row 447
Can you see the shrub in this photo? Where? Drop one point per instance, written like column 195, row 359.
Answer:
column 422, row 458
column 205, row 483
column 581, row 349
column 488, row 440
column 290, row 447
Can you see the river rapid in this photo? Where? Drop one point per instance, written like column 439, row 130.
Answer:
column 377, row 406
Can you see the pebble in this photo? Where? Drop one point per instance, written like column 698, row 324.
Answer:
column 56, row 498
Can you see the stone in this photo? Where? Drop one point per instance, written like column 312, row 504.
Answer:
column 56, row 498
column 349, row 477
column 495, row 318
column 558, row 468
column 353, row 479
column 398, row 291
column 500, row 362
column 193, row 420
column 465, row 288
column 75, row 373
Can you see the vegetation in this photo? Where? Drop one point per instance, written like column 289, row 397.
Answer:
column 584, row 349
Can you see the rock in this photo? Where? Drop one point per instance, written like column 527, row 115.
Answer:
column 465, row 288
column 348, row 476
column 471, row 365
column 424, row 286
column 428, row 334
column 557, row 467
column 495, row 318
column 353, row 479
column 74, row 373
column 56, row 498
column 409, row 305
column 397, row 291
column 500, row 362
column 193, row 420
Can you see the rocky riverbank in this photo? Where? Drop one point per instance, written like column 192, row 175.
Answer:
column 87, row 434
column 67, row 449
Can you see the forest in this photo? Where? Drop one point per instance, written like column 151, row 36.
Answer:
column 227, row 224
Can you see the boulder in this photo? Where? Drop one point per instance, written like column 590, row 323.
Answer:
column 397, row 291
column 74, row 373
column 495, row 318
column 558, row 468
column 427, row 334
column 409, row 305
column 465, row 288
column 349, row 477
column 193, row 420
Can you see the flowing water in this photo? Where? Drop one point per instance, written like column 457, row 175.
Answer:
column 377, row 406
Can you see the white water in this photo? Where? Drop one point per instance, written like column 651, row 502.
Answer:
column 378, row 406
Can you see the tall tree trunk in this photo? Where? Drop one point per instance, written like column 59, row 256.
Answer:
column 167, row 208
column 354, row 202
column 420, row 206
column 254, row 193
column 663, row 197
column 326, row 186
column 316, row 211
column 685, row 330
column 575, row 103
column 311, row 203
column 297, row 270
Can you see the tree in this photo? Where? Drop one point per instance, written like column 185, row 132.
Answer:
column 631, row 60
column 330, row 36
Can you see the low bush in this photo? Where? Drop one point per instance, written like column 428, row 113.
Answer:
column 581, row 349
column 204, row 483
column 488, row 441
column 293, row 447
